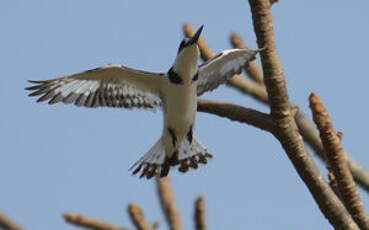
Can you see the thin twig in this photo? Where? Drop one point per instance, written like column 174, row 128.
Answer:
column 138, row 218
column 86, row 222
column 337, row 163
column 288, row 135
column 200, row 217
column 168, row 203
column 252, row 69
column 7, row 224
column 237, row 113
column 306, row 128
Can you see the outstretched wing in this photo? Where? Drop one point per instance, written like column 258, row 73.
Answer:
column 222, row 67
column 112, row 86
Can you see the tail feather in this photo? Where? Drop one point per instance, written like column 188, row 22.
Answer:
column 156, row 161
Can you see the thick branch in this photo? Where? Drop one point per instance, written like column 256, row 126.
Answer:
column 168, row 203
column 237, row 113
column 7, row 224
column 252, row 69
column 306, row 128
column 200, row 217
column 288, row 134
column 138, row 218
column 337, row 163
column 86, row 222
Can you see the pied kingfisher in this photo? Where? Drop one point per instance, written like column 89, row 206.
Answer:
column 175, row 92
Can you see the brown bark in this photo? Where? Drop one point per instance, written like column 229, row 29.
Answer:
column 200, row 217
column 168, row 204
column 138, row 218
column 86, row 222
column 335, row 208
column 237, row 113
column 8, row 224
column 337, row 163
column 311, row 136
column 306, row 128
column 288, row 134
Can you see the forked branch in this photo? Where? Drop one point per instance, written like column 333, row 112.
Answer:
column 288, row 133
column 306, row 128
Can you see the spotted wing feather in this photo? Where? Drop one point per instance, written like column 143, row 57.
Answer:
column 110, row 86
column 222, row 67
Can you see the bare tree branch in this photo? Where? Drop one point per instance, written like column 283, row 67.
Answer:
column 7, row 224
column 249, row 87
column 252, row 69
column 168, row 203
column 288, row 134
column 311, row 136
column 200, row 217
column 138, row 218
column 86, row 222
column 206, row 54
column 237, row 113
column 337, row 163
column 306, row 128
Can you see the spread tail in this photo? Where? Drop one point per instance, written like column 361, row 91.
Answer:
column 156, row 162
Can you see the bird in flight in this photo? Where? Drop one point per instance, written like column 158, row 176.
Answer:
column 175, row 92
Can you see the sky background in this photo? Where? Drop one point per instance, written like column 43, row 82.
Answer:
column 62, row 158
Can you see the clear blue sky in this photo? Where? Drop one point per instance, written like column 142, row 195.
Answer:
column 64, row 158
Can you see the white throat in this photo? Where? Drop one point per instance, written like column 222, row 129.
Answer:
column 186, row 63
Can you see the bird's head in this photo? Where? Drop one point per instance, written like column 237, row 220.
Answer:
column 186, row 63
column 188, row 43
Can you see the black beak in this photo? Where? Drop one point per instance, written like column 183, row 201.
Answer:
column 195, row 37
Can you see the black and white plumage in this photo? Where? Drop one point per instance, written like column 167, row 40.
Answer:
column 175, row 92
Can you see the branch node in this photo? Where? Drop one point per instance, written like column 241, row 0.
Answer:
column 294, row 110
column 340, row 135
